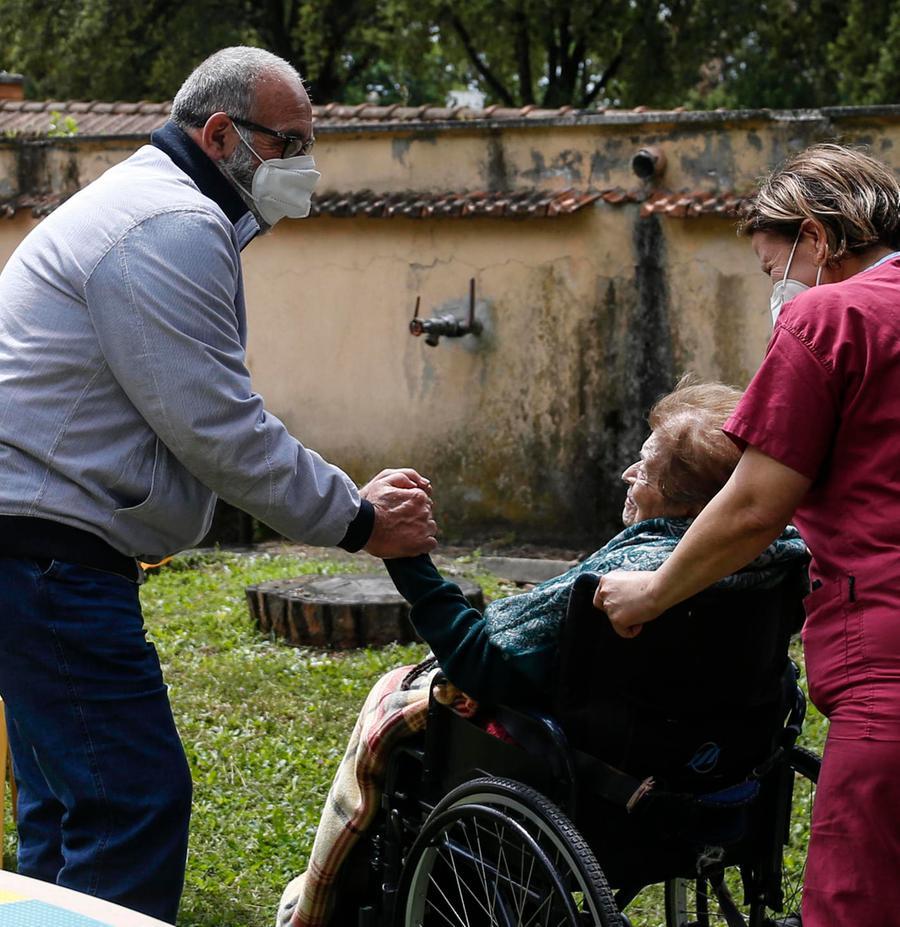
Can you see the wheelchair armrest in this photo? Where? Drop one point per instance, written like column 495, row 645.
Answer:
column 458, row 748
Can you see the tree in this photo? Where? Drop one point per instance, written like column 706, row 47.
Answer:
column 702, row 53
column 105, row 49
column 538, row 51
column 865, row 52
column 779, row 59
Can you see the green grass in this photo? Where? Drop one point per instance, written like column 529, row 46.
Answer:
column 264, row 726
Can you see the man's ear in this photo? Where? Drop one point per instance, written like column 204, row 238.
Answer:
column 217, row 137
column 816, row 231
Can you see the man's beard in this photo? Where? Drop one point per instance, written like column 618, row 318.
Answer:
column 239, row 167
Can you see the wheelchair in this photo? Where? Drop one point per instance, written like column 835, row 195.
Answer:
column 669, row 759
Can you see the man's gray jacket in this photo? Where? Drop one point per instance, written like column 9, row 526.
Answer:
column 125, row 403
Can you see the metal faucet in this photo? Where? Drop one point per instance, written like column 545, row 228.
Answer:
column 447, row 324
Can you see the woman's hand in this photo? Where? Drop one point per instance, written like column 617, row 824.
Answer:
column 627, row 598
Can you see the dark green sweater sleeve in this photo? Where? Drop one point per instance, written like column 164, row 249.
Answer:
column 456, row 633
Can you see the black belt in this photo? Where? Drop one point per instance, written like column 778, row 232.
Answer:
column 43, row 539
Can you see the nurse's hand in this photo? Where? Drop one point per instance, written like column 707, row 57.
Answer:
column 627, row 598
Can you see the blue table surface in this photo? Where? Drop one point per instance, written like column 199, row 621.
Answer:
column 31, row 913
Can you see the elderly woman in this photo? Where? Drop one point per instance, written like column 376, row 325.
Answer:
column 508, row 653
column 819, row 427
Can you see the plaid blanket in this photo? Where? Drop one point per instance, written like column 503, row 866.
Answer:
column 390, row 713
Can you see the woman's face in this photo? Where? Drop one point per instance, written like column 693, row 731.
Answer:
column 774, row 251
column 643, row 499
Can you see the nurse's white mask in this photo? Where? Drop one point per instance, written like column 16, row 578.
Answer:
column 786, row 289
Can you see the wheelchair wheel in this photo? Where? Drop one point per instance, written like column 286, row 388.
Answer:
column 692, row 902
column 495, row 852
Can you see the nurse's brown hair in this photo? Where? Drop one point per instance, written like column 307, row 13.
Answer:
column 696, row 458
column 853, row 195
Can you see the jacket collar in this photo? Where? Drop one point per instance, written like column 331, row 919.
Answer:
column 187, row 155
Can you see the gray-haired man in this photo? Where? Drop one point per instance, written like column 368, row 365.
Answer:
column 128, row 410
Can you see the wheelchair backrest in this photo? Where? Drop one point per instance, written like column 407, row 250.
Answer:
column 696, row 699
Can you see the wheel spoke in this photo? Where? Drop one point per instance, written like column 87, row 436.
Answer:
column 464, row 885
column 437, row 910
column 462, row 900
column 453, row 910
column 547, row 898
column 487, row 857
column 480, row 870
column 479, row 827
column 520, row 900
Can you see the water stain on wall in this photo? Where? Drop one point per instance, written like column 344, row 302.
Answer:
column 567, row 164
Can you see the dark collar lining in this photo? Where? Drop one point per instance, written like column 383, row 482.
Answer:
column 187, row 155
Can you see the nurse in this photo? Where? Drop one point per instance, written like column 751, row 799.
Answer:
column 819, row 427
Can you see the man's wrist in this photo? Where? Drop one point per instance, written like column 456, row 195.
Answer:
column 359, row 531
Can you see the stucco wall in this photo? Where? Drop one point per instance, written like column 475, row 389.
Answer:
column 588, row 317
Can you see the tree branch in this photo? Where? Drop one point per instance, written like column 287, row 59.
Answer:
column 610, row 71
column 523, row 54
column 275, row 33
column 489, row 77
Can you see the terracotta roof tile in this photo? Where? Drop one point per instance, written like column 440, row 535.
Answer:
column 39, row 204
column 692, row 205
column 490, row 204
column 122, row 122
column 137, row 119
column 523, row 203
column 32, row 118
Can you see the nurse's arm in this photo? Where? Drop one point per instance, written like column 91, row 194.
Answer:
column 749, row 512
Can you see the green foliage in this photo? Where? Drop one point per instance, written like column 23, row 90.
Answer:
column 264, row 726
column 703, row 53
column 61, row 126
column 103, row 49
column 865, row 52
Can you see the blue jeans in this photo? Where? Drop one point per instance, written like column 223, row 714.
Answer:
column 104, row 786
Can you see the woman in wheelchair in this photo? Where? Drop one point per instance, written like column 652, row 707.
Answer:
column 514, row 653
column 508, row 654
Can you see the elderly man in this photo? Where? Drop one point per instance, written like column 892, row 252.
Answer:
column 127, row 409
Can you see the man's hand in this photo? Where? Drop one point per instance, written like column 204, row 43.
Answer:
column 404, row 522
column 626, row 598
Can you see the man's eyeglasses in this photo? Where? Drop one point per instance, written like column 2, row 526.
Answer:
column 293, row 144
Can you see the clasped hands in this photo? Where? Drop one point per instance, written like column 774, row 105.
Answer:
column 405, row 527
column 404, row 517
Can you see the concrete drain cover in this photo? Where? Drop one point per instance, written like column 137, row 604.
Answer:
column 338, row 612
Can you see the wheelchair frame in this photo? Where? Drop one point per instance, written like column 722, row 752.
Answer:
column 460, row 806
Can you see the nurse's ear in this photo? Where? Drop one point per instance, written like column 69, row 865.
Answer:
column 822, row 248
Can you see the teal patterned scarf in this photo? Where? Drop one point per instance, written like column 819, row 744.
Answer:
column 529, row 621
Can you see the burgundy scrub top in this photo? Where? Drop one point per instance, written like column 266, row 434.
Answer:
column 826, row 403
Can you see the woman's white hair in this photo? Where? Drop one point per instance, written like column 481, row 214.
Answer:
column 226, row 82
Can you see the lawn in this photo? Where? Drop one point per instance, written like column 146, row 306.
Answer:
column 264, row 726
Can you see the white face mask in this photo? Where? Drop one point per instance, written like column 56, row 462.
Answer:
column 785, row 289
column 282, row 187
